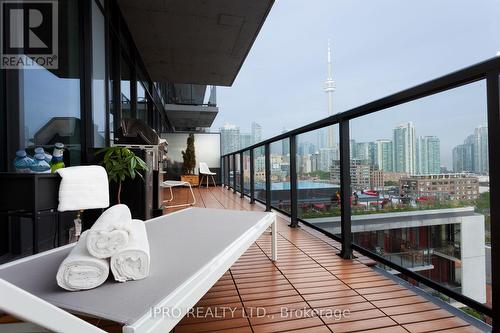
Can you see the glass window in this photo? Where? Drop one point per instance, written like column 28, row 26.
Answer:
column 111, row 86
column 49, row 108
column 125, row 88
column 142, row 103
column 98, row 76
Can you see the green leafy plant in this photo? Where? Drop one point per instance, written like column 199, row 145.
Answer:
column 189, row 156
column 121, row 163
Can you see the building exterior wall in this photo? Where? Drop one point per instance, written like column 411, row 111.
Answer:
column 441, row 186
column 384, row 155
column 412, row 228
column 230, row 138
column 473, row 258
column 404, row 148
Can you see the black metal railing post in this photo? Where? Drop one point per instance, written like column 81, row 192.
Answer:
column 345, row 191
column 242, row 178
column 267, row 153
column 252, row 177
column 493, row 103
column 293, row 182
column 234, row 172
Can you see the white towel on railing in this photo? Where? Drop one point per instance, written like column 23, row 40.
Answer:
column 80, row 270
column 83, row 187
column 110, row 233
column 132, row 262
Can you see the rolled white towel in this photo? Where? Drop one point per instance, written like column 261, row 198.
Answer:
column 110, row 233
column 80, row 271
column 132, row 262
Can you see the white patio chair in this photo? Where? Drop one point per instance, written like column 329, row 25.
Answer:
column 205, row 172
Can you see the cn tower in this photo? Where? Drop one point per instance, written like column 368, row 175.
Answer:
column 329, row 89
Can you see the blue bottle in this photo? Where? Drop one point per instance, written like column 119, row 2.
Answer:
column 23, row 162
column 40, row 150
column 40, row 165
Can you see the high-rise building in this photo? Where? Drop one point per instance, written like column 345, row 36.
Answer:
column 329, row 89
column 481, row 150
column 428, row 155
column 305, row 148
column 404, row 148
column 326, row 158
column 463, row 158
column 321, row 138
column 315, row 162
column 304, row 164
column 472, row 155
column 246, row 140
column 256, row 133
column 383, row 155
column 230, row 138
column 363, row 151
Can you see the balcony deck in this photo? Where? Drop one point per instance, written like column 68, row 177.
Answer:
column 308, row 275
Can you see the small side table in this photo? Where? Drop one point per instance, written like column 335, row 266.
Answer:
column 30, row 195
column 173, row 183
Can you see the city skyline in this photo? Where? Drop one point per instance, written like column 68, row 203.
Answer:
column 407, row 152
column 284, row 75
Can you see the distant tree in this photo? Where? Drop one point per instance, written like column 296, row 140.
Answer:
column 391, row 183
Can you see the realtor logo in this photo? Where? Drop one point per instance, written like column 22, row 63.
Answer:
column 29, row 33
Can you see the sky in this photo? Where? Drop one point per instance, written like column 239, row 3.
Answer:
column 379, row 47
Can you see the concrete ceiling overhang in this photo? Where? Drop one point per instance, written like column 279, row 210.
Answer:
column 190, row 116
column 194, row 41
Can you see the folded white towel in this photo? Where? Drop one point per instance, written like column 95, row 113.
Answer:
column 83, row 187
column 132, row 262
column 110, row 233
column 80, row 270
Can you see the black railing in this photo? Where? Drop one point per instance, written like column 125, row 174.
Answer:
column 488, row 70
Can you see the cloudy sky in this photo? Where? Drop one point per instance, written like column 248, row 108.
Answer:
column 379, row 47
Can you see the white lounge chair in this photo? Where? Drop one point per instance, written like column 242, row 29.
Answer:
column 190, row 250
column 205, row 172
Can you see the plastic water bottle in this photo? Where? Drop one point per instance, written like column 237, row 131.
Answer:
column 57, row 157
column 40, row 150
column 40, row 165
column 22, row 162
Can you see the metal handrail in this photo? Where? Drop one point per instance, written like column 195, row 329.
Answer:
column 488, row 70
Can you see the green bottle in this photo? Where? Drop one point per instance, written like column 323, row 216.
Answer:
column 57, row 161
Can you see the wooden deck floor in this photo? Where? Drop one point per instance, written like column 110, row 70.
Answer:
column 348, row 296
column 259, row 296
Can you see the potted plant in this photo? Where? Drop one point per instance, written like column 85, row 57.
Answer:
column 189, row 162
column 121, row 163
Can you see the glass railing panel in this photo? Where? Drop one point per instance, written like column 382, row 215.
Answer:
column 246, row 172
column 420, row 189
column 237, row 172
column 280, row 174
column 318, row 181
column 231, row 170
column 259, row 166
column 224, row 170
